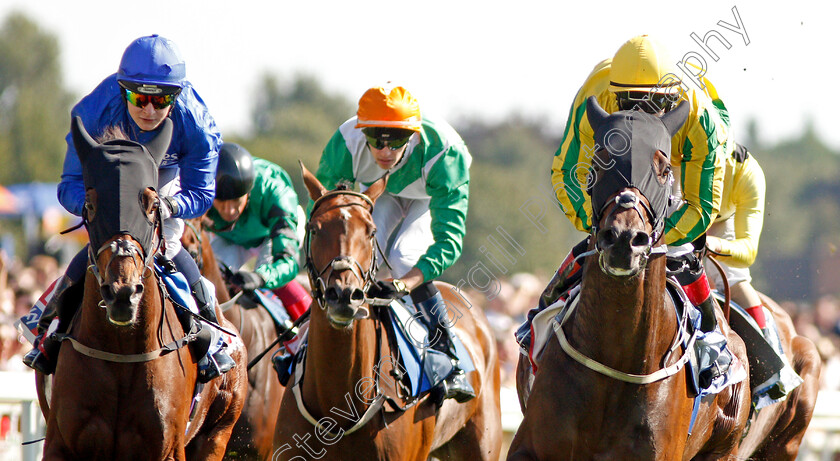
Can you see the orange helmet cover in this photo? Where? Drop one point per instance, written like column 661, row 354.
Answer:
column 396, row 108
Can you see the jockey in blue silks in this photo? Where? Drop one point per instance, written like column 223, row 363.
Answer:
column 149, row 87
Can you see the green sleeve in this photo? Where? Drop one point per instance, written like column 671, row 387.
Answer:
column 336, row 165
column 448, row 186
column 279, row 215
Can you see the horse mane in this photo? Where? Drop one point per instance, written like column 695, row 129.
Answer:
column 112, row 133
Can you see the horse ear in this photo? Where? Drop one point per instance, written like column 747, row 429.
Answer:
column 595, row 113
column 158, row 146
column 315, row 188
column 83, row 142
column 377, row 188
column 675, row 119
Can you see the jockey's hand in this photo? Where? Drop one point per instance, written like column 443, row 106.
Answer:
column 247, row 280
column 713, row 244
column 387, row 289
column 168, row 207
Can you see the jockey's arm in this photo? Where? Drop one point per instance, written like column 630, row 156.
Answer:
column 447, row 184
column 280, row 215
column 748, row 194
column 700, row 149
column 71, row 189
column 198, row 172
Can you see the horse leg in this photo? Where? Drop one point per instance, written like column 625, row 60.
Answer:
column 477, row 440
column 790, row 428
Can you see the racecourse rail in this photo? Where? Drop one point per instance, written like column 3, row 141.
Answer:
column 19, row 403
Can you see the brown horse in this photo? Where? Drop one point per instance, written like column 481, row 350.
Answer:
column 253, row 435
column 611, row 386
column 124, row 382
column 777, row 431
column 348, row 360
column 624, row 395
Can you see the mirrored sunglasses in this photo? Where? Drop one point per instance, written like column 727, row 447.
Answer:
column 392, row 144
column 651, row 103
column 159, row 101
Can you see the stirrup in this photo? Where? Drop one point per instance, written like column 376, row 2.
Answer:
column 212, row 366
column 457, row 387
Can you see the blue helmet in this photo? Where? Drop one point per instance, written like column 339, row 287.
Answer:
column 152, row 65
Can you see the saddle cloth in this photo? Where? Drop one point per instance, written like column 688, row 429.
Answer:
column 422, row 368
column 176, row 286
column 542, row 330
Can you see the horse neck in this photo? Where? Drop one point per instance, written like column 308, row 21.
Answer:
column 96, row 331
column 210, row 269
column 630, row 316
column 337, row 361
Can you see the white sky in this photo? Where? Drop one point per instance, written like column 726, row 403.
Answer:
column 484, row 58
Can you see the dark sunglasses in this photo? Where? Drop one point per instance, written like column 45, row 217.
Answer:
column 651, row 103
column 160, row 101
column 393, row 144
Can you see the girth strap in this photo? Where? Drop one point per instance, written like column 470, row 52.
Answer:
column 128, row 358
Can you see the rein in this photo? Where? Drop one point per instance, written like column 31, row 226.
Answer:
column 339, row 263
column 120, row 248
column 197, row 256
column 318, row 287
column 626, row 200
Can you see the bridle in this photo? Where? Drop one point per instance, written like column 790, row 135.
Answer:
column 629, row 199
column 341, row 262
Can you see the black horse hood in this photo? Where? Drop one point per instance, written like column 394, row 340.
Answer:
column 120, row 171
column 631, row 138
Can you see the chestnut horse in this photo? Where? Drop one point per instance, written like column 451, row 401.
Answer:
column 346, row 370
column 253, row 435
column 125, row 377
column 613, row 385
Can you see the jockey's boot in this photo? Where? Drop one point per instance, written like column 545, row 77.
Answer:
column 711, row 348
column 785, row 380
column 456, row 385
column 44, row 354
column 210, row 366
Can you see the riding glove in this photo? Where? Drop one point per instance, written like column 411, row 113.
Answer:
column 247, row 280
column 387, row 289
column 168, row 207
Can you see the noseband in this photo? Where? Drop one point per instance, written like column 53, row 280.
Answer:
column 339, row 263
column 625, row 200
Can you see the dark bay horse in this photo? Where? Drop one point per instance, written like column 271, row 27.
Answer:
column 637, row 405
column 347, row 365
column 125, row 378
column 253, row 435
column 616, row 388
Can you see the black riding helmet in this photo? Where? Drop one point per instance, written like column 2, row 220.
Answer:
column 235, row 174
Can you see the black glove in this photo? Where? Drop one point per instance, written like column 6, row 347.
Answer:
column 247, row 280
column 387, row 289
column 168, row 207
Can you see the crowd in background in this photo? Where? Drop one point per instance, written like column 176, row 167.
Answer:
column 506, row 307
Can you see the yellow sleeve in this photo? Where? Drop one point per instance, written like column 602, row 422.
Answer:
column 748, row 196
column 699, row 150
column 570, row 167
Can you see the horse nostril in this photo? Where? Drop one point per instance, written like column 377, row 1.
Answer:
column 332, row 294
column 641, row 239
column 107, row 293
column 357, row 295
column 607, row 238
column 138, row 289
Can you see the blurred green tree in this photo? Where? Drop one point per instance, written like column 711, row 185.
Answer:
column 34, row 104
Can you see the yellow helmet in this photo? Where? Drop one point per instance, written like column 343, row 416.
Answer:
column 643, row 64
column 383, row 108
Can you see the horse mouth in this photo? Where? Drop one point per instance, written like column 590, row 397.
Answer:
column 626, row 268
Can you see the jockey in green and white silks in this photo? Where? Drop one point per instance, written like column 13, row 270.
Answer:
column 421, row 216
